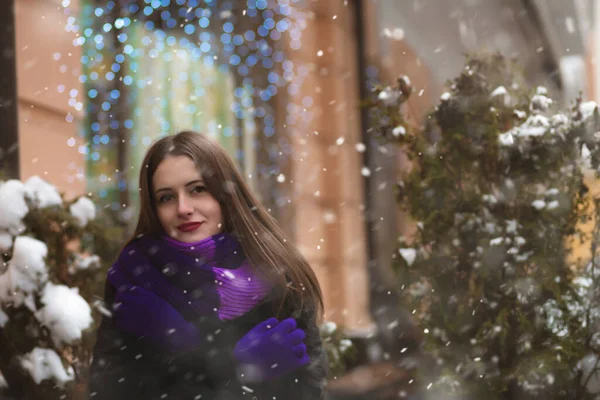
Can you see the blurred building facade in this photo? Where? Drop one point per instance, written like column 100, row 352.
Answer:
column 299, row 139
column 68, row 135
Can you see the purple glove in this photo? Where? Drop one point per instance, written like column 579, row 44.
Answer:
column 140, row 312
column 271, row 350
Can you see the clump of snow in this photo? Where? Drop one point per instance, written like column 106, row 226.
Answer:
column 406, row 80
column 540, row 102
column 520, row 114
column 554, row 316
column 26, row 272
column 328, row 327
column 409, row 255
column 6, row 240
column 12, row 207
column 538, row 204
column 399, row 131
column 511, row 226
column 83, row 210
column 586, row 159
column 65, row 313
column 345, row 344
column 559, row 119
column 3, row 383
column 445, row 96
column 535, row 125
column 496, row 241
column 43, row 364
column 506, row 139
column 389, row 96
column 538, row 120
column 585, row 152
column 490, row 227
column 84, row 262
column 500, row 90
column 489, row 198
column 419, row 289
column 42, row 193
column 587, row 109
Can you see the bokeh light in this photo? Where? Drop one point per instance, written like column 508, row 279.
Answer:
column 153, row 66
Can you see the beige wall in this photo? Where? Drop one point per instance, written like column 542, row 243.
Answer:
column 44, row 131
column 327, row 181
column 580, row 245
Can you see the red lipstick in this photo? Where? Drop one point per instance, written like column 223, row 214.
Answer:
column 189, row 226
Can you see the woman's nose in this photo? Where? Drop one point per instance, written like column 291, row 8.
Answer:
column 184, row 206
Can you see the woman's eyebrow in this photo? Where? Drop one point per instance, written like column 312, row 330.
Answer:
column 187, row 184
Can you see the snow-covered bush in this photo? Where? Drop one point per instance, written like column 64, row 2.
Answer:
column 339, row 348
column 496, row 192
column 52, row 252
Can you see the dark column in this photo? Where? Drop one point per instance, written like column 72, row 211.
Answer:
column 381, row 237
column 9, row 133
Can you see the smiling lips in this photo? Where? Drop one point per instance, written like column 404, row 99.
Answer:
column 189, row 227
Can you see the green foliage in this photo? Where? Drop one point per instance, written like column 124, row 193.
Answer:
column 496, row 190
column 339, row 349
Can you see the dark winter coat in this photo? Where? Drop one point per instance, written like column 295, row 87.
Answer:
column 125, row 367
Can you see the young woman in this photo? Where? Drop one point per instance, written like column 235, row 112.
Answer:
column 208, row 299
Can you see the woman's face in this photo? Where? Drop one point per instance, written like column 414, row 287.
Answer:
column 185, row 209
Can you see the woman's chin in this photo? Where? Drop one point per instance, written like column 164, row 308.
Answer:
column 189, row 237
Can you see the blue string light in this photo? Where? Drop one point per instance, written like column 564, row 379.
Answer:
column 189, row 29
column 137, row 48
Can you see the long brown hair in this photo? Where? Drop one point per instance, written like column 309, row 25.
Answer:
column 262, row 240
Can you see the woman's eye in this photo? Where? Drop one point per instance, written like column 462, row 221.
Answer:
column 199, row 189
column 165, row 198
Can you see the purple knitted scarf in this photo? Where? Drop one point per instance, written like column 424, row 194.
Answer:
column 211, row 277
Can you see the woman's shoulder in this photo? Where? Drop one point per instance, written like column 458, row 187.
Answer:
column 130, row 254
column 133, row 247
